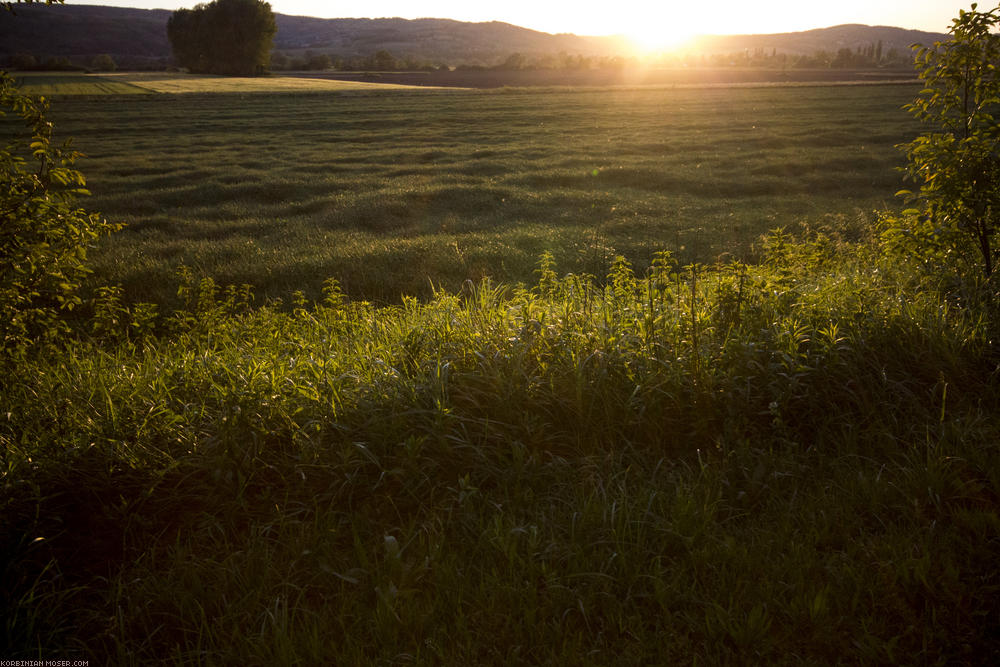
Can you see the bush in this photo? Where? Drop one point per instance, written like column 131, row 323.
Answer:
column 43, row 235
column 956, row 163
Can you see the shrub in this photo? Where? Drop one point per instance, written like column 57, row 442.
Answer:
column 44, row 237
column 956, row 163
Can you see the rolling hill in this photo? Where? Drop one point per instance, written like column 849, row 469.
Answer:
column 137, row 37
column 849, row 36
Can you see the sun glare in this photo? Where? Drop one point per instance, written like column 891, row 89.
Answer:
column 662, row 29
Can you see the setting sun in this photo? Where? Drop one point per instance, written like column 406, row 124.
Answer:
column 661, row 29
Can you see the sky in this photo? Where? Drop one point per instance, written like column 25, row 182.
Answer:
column 648, row 21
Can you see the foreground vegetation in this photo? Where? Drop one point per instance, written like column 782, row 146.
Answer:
column 793, row 462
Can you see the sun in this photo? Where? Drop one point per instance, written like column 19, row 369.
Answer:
column 661, row 29
column 647, row 41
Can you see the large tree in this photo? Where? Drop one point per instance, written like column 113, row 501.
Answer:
column 230, row 37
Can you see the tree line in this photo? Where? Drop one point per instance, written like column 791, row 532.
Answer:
column 27, row 62
column 870, row 56
column 380, row 61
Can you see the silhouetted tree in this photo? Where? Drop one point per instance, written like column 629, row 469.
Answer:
column 383, row 61
column 230, row 37
column 103, row 63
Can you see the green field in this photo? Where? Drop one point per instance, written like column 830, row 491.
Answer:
column 788, row 460
column 389, row 191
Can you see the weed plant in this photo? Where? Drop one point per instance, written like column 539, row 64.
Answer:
column 788, row 462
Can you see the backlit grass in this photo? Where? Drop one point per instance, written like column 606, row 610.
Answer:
column 790, row 463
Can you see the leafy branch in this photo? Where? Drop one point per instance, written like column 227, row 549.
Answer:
column 44, row 237
column 956, row 164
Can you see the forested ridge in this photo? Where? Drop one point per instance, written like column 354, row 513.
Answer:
column 86, row 30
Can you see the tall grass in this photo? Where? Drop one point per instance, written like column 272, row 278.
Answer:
column 792, row 461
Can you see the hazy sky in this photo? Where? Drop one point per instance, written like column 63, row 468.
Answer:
column 640, row 18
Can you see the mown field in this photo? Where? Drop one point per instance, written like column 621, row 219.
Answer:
column 390, row 191
column 143, row 83
column 625, row 76
column 792, row 459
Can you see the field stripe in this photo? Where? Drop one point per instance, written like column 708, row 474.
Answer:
column 176, row 83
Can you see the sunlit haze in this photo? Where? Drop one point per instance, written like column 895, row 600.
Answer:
column 651, row 24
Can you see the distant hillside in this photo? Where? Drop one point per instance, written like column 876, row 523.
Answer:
column 441, row 40
column 851, row 36
column 137, row 37
column 82, row 31
column 85, row 31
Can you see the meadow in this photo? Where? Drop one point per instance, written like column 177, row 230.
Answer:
column 541, row 388
column 626, row 76
column 63, row 84
column 391, row 191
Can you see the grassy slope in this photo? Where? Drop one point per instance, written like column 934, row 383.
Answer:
column 790, row 464
column 283, row 191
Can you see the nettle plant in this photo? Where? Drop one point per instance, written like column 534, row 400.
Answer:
column 44, row 236
column 956, row 163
